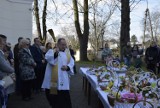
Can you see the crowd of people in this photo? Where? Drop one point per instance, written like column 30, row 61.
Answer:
column 135, row 56
column 132, row 54
column 41, row 68
column 38, row 68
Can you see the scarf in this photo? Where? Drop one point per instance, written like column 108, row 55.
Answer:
column 54, row 75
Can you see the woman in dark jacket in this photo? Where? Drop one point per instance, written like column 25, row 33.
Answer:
column 26, row 67
column 136, row 56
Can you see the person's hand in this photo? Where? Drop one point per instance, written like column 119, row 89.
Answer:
column 12, row 62
column 64, row 68
column 13, row 76
column 34, row 64
column 43, row 61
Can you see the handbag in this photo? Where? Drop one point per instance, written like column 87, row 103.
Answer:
column 7, row 81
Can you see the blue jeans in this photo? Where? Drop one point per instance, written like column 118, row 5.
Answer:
column 127, row 61
column 3, row 97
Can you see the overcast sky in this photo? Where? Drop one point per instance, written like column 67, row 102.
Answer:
column 138, row 14
column 57, row 21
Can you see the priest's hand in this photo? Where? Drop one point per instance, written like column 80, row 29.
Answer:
column 57, row 50
column 64, row 68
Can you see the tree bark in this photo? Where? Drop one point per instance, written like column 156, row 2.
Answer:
column 36, row 9
column 125, row 24
column 44, row 22
column 83, row 37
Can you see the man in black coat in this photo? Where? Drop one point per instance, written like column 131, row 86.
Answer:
column 152, row 56
column 40, row 61
column 16, row 66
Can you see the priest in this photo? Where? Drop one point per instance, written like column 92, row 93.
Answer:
column 57, row 75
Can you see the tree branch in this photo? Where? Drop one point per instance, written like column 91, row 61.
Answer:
column 135, row 4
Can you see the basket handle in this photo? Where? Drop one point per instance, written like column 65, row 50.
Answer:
column 143, row 103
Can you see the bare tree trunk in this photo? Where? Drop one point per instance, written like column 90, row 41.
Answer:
column 36, row 9
column 150, row 22
column 144, row 31
column 44, row 22
column 125, row 24
column 83, row 38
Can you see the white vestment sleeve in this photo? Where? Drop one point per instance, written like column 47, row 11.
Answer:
column 71, row 65
column 49, row 56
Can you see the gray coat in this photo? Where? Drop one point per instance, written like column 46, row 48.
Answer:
column 5, row 68
column 26, row 63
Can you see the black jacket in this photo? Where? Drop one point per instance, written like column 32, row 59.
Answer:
column 152, row 55
column 16, row 59
column 37, row 55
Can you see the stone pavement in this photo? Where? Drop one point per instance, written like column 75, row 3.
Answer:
column 79, row 100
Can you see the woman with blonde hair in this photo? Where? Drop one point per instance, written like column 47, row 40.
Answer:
column 48, row 46
column 26, row 68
